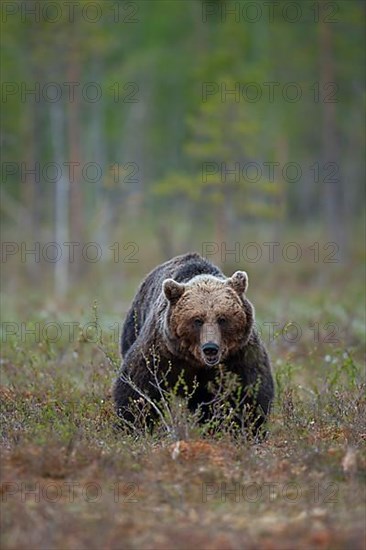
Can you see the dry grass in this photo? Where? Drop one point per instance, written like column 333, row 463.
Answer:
column 69, row 481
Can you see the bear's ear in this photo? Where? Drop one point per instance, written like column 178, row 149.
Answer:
column 172, row 290
column 239, row 282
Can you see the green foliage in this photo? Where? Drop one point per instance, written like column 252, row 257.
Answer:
column 57, row 427
column 172, row 126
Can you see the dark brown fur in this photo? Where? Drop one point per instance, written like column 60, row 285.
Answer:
column 182, row 308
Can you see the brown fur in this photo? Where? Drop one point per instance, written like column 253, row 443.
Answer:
column 189, row 319
column 219, row 308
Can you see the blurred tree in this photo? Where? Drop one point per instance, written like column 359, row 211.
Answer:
column 333, row 192
column 185, row 140
column 73, row 74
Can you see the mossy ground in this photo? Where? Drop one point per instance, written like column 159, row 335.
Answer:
column 70, row 481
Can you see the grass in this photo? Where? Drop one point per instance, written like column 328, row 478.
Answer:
column 70, row 481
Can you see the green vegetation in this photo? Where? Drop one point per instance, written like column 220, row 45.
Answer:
column 169, row 160
column 122, row 129
column 95, row 486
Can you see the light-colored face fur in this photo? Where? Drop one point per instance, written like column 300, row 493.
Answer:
column 208, row 318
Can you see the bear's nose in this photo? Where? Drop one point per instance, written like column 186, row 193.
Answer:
column 210, row 349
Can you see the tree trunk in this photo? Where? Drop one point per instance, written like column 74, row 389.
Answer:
column 333, row 195
column 61, row 208
column 100, row 208
column 32, row 196
column 74, row 137
column 221, row 232
column 281, row 153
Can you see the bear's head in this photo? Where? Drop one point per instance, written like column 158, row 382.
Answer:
column 208, row 319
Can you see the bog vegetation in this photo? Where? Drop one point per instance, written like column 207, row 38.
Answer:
column 136, row 131
column 71, row 480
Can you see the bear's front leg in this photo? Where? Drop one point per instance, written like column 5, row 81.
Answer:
column 136, row 390
column 254, row 371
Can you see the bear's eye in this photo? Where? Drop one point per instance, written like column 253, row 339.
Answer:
column 222, row 320
column 197, row 322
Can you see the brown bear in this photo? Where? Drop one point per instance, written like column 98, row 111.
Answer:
column 189, row 320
